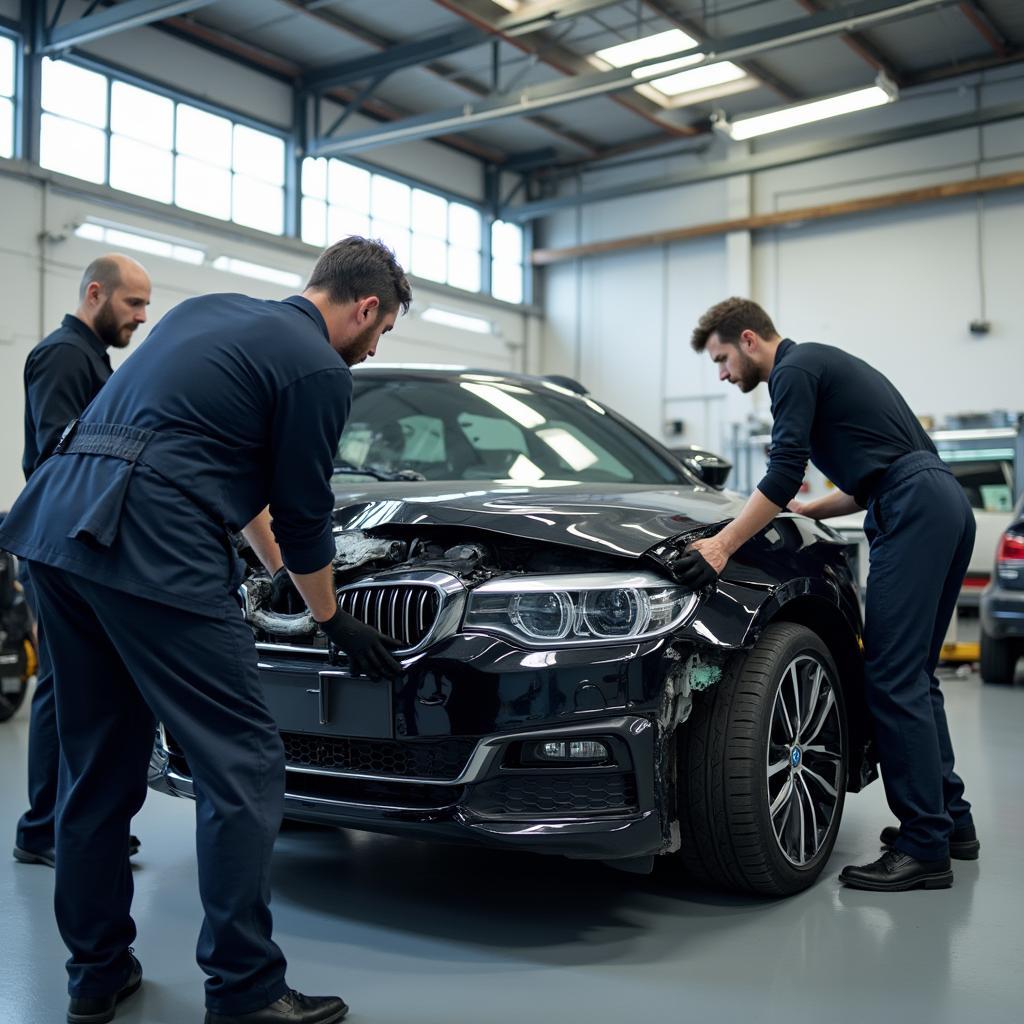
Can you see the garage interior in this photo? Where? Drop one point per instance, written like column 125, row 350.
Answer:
column 569, row 184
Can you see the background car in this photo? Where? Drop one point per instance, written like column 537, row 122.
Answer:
column 1002, row 606
column 17, row 645
column 562, row 692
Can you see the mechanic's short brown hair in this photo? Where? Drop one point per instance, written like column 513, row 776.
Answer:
column 355, row 268
column 729, row 319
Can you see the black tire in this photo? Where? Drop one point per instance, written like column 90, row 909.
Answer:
column 725, row 785
column 998, row 660
column 12, row 694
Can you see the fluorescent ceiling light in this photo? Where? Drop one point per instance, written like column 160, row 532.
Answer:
column 256, row 270
column 570, row 448
column 143, row 241
column 525, row 471
column 648, row 47
column 461, row 321
column 506, row 403
column 806, row 113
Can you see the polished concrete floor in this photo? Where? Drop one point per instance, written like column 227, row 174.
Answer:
column 443, row 935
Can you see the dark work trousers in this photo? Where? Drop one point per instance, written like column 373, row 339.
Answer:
column 121, row 663
column 921, row 530
column 35, row 828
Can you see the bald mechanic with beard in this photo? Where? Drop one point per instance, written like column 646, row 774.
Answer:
column 842, row 414
column 63, row 374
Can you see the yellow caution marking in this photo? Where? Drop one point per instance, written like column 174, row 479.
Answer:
column 960, row 652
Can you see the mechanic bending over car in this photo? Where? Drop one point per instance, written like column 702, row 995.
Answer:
column 228, row 416
column 855, row 426
column 63, row 374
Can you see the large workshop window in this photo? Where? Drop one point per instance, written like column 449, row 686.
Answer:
column 7, row 60
column 507, row 261
column 434, row 237
column 149, row 143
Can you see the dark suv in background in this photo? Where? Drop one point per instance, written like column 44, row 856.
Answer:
column 1002, row 606
column 562, row 692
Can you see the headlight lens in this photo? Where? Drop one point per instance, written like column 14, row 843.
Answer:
column 614, row 612
column 578, row 608
column 542, row 616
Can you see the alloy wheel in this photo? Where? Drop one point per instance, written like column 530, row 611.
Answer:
column 805, row 759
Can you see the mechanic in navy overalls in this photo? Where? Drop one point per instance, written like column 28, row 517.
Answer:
column 63, row 373
column 231, row 405
column 854, row 425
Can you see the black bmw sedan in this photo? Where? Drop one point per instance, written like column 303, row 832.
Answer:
column 562, row 692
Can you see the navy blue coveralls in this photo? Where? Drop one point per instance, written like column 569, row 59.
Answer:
column 855, row 426
column 63, row 373
column 229, row 405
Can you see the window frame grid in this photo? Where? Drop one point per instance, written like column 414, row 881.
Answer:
column 16, row 98
column 113, row 74
column 292, row 193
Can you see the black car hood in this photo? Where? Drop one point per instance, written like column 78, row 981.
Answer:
column 614, row 519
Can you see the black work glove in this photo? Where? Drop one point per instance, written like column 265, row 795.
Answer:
column 284, row 596
column 693, row 570
column 369, row 651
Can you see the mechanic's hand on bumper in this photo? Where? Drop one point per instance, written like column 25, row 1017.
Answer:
column 701, row 563
column 369, row 651
column 284, row 597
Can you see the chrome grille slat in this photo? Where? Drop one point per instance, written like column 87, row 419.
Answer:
column 406, row 618
column 405, row 611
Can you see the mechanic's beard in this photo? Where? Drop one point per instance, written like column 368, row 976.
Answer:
column 359, row 347
column 749, row 378
column 109, row 331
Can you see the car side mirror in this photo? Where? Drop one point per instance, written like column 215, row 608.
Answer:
column 709, row 468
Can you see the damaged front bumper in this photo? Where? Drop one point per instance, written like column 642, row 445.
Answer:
column 455, row 749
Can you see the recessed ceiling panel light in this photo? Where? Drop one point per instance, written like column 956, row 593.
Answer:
column 699, row 78
column 649, row 47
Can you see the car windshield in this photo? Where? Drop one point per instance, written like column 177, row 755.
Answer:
column 480, row 427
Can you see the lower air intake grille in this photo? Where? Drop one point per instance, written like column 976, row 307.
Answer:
column 418, row 759
column 405, row 612
column 578, row 792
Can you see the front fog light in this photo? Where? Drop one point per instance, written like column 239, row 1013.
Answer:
column 571, row 750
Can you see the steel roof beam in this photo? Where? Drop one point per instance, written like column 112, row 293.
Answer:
column 119, row 18
column 407, row 55
column 787, row 156
column 601, row 83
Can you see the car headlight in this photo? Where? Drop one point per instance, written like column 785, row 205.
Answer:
column 578, row 608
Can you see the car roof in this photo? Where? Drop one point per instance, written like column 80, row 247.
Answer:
column 456, row 373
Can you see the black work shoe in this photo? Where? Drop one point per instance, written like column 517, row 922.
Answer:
column 292, row 1008
column 963, row 842
column 895, row 871
column 100, row 1009
column 47, row 857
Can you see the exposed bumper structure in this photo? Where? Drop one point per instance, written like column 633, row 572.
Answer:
column 451, row 752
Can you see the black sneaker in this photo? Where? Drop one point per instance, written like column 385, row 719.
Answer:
column 895, row 871
column 100, row 1009
column 963, row 842
column 292, row 1008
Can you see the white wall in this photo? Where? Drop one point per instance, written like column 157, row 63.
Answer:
column 898, row 288
column 41, row 262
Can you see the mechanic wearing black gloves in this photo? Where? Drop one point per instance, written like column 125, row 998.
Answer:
column 233, row 405
column 368, row 650
column 835, row 409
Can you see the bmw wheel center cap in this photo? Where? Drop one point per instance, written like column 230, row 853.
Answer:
column 795, row 757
